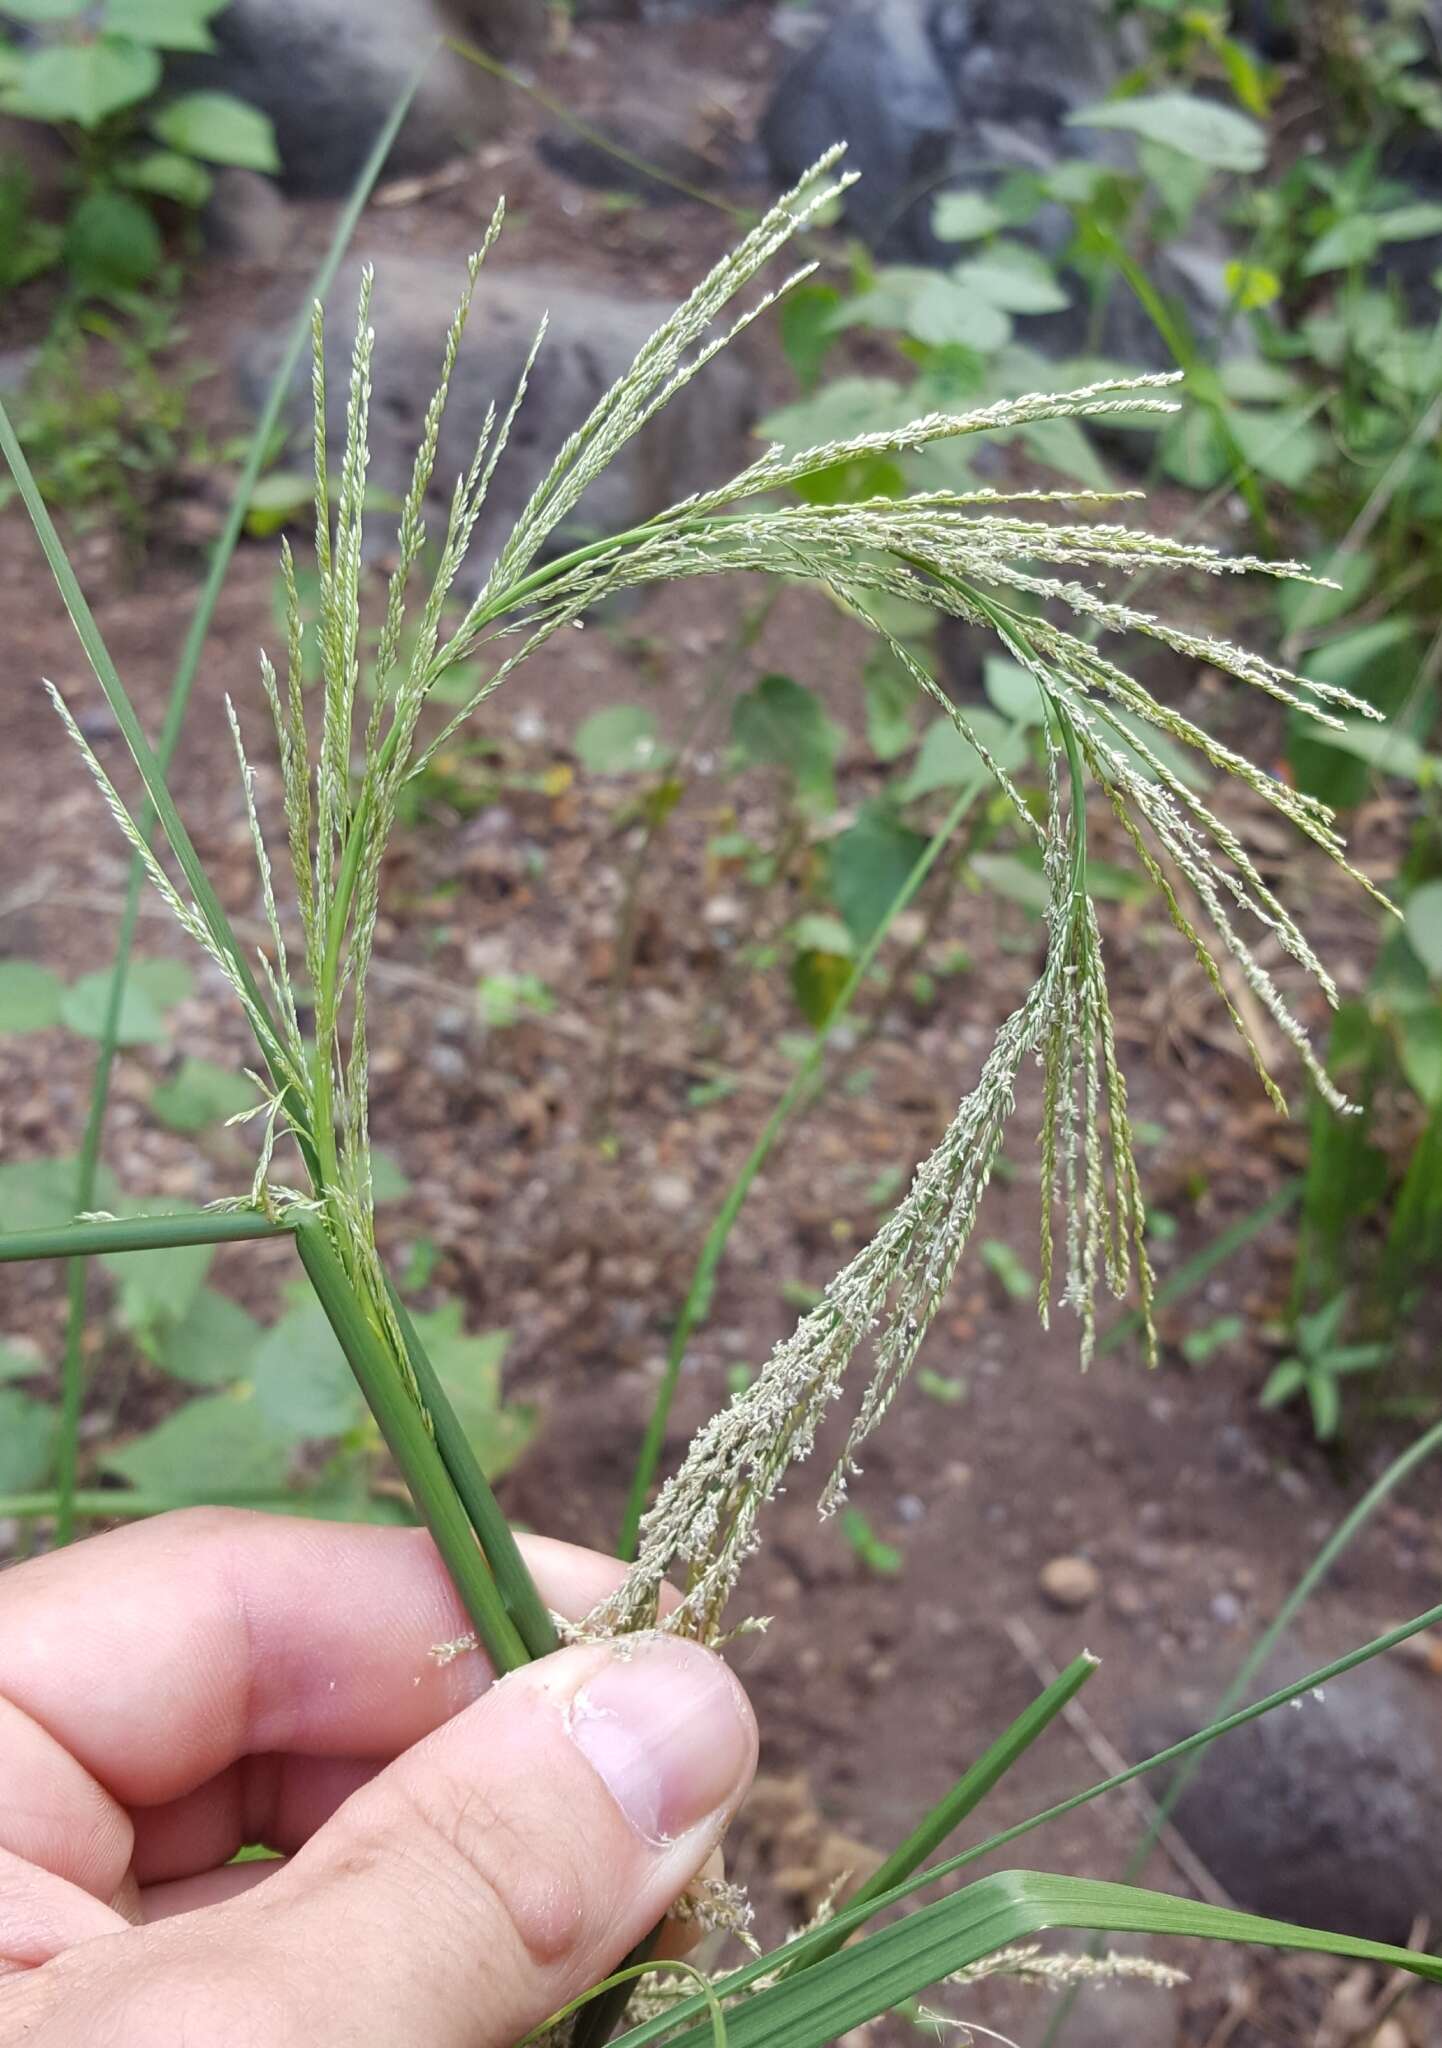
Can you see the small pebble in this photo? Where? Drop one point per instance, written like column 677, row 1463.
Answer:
column 1069, row 1583
column 1226, row 1608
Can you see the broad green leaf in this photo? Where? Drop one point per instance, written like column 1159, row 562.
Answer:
column 155, row 1290
column 621, row 740
column 1353, row 240
column 819, row 932
column 1284, row 446
column 1194, row 449
column 212, row 1343
column 805, row 322
column 112, row 243
column 1063, row 445
column 1181, row 180
column 946, row 312
column 947, row 761
column 169, row 175
column 1013, row 690
column 1253, row 380
column 1306, row 606
column 202, row 1094
column 165, row 981
column 1325, row 1400
column 27, row 1440
column 809, row 2007
column 303, row 1385
column 1383, row 747
column 965, row 217
column 1284, row 1381
column 281, row 496
column 469, row 1368
column 168, row 24
column 1379, row 663
column 389, row 1179
column 82, row 82
column 817, row 980
column 1013, row 278
column 219, row 129
column 83, row 1007
column 43, row 10
column 1415, row 223
column 869, row 865
column 1011, row 876
column 215, row 1445
column 37, row 1194
column 781, row 724
column 890, row 702
column 30, row 996
column 838, row 412
column 20, row 1358
column 1423, row 925
column 1204, row 129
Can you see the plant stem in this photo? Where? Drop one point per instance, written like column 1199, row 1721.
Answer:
column 139, row 1234
column 698, row 1296
column 518, row 1590
column 411, row 1445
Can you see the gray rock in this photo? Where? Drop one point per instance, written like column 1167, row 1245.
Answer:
column 875, row 79
column 247, row 218
column 593, row 335
column 1329, row 1813
column 327, row 72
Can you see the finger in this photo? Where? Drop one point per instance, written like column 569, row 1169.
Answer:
column 277, row 1800
column 209, row 1888
column 155, row 1657
column 489, row 1875
column 41, row 1916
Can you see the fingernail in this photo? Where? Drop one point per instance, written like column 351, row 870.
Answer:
column 667, row 1730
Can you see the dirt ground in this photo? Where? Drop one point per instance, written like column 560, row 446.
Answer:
column 1198, row 1511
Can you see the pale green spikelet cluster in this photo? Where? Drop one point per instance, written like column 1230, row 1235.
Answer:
column 979, row 556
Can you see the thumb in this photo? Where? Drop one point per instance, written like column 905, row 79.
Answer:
column 492, row 1873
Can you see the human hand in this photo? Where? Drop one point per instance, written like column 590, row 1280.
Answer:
column 461, row 1856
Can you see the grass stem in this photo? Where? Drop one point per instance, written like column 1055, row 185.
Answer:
column 138, row 1234
column 412, row 1446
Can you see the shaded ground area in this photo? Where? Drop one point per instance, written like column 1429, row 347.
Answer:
column 1197, row 1511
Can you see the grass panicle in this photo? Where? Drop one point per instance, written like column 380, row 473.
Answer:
column 983, row 557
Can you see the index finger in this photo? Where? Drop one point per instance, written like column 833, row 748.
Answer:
column 159, row 1654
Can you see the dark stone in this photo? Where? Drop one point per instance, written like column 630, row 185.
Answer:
column 593, row 336
column 876, row 79
column 327, row 73
column 643, row 133
column 1329, row 1813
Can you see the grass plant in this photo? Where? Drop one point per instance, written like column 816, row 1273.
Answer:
column 1023, row 566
